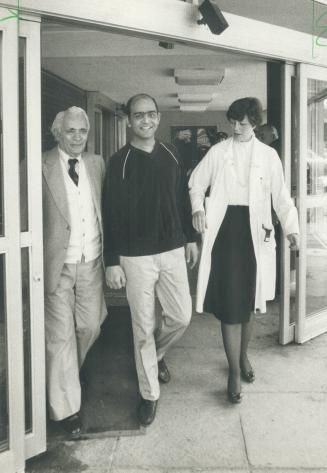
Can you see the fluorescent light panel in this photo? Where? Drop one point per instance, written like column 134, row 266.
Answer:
column 195, row 98
column 193, row 107
column 198, row 76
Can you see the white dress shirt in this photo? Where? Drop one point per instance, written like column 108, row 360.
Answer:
column 239, row 172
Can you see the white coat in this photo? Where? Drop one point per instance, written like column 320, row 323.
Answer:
column 266, row 180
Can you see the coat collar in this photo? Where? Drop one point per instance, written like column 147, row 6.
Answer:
column 256, row 160
column 53, row 176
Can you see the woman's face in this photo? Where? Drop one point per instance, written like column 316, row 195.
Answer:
column 242, row 129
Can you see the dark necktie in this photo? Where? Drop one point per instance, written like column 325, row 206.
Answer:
column 71, row 171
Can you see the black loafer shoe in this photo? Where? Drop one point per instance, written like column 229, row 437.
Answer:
column 147, row 411
column 248, row 376
column 163, row 373
column 73, row 426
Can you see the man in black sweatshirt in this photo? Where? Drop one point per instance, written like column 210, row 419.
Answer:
column 147, row 221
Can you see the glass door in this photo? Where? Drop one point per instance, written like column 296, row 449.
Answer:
column 31, row 248
column 312, row 181
column 12, row 458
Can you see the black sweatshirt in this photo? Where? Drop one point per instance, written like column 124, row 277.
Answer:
column 146, row 205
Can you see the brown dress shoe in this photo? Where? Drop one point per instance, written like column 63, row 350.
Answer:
column 73, row 426
column 163, row 373
column 147, row 411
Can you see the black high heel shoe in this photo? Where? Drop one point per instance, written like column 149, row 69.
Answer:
column 233, row 397
column 248, row 376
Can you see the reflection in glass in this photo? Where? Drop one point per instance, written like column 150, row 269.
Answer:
column 27, row 338
column 22, row 137
column 2, row 223
column 292, row 287
column 97, row 133
column 294, row 191
column 4, row 413
column 316, row 278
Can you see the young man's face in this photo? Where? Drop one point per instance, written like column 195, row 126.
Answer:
column 73, row 135
column 144, row 118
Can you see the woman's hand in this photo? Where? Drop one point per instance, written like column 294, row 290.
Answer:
column 115, row 277
column 199, row 221
column 294, row 239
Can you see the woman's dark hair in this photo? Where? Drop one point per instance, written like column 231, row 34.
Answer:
column 135, row 98
column 249, row 106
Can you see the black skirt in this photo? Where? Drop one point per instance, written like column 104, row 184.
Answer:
column 231, row 287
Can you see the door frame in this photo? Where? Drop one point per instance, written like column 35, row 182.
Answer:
column 12, row 459
column 286, row 327
column 29, row 29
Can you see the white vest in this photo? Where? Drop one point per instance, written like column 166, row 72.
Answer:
column 85, row 237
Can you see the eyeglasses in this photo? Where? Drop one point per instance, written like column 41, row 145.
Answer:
column 140, row 115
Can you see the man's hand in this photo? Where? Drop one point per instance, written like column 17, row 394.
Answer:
column 294, row 239
column 115, row 277
column 199, row 221
column 191, row 254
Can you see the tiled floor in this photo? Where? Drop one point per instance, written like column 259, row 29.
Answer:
column 280, row 427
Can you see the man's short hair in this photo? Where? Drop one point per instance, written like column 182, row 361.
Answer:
column 135, row 98
column 58, row 121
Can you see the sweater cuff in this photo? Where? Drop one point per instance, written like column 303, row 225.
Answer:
column 111, row 259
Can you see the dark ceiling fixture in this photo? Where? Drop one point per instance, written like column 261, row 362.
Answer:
column 212, row 16
column 166, row 45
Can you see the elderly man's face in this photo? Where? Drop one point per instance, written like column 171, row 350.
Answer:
column 73, row 135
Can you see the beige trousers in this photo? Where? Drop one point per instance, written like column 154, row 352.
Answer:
column 164, row 274
column 73, row 315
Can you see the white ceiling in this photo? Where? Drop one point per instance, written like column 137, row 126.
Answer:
column 120, row 66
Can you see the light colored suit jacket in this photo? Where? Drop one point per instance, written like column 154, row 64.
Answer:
column 56, row 218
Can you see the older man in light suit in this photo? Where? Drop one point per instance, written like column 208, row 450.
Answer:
column 74, row 302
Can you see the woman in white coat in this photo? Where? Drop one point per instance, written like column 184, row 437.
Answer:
column 237, row 269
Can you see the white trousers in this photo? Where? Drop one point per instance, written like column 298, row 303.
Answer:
column 73, row 315
column 164, row 274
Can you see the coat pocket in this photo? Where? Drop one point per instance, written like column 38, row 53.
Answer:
column 268, row 242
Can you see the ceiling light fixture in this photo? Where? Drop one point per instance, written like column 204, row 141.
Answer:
column 195, row 98
column 166, row 45
column 212, row 16
column 198, row 76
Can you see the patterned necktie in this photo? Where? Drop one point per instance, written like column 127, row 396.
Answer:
column 71, row 171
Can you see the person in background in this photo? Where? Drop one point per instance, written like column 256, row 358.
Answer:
column 73, row 270
column 268, row 134
column 221, row 136
column 237, row 267
column 184, row 146
column 147, row 222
